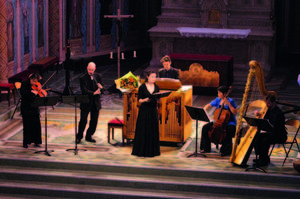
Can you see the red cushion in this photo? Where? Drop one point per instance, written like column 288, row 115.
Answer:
column 116, row 122
column 200, row 57
column 7, row 85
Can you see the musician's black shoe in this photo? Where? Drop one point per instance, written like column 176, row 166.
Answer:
column 37, row 145
column 225, row 154
column 203, row 151
column 262, row 163
column 78, row 141
column 25, row 146
column 90, row 140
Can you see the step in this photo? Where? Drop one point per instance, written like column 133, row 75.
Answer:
column 71, row 179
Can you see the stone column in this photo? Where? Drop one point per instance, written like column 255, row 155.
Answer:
column 3, row 42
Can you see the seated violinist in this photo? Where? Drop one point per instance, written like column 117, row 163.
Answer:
column 223, row 127
column 30, row 89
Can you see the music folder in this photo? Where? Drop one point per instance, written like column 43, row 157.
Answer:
column 262, row 124
column 161, row 94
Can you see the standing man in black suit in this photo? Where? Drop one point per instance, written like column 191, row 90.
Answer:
column 91, row 85
column 168, row 71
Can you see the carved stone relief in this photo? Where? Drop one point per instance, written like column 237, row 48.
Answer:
column 214, row 13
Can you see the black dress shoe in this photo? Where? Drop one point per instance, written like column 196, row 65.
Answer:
column 37, row 145
column 262, row 163
column 225, row 154
column 203, row 151
column 90, row 140
column 78, row 141
column 25, row 146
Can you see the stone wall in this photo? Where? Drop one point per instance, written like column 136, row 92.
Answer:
column 216, row 14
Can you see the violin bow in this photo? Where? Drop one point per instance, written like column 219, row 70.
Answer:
column 48, row 79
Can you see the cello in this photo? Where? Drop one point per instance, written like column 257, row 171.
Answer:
column 222, row 116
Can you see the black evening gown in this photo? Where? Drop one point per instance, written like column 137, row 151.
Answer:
column 146, row 139
column 30, row 115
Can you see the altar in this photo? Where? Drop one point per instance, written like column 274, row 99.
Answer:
column 204, row 72
column 215, row 27
column 175, row 124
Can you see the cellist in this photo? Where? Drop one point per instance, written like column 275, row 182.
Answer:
column 230, row 126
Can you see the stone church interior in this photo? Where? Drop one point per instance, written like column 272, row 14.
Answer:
column 249, row 47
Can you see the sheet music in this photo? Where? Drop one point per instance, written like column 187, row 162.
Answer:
column 262, row 123
column 161, row 94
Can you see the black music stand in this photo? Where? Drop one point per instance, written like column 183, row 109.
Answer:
column 197, row 114
column 45, row 101
column 75, row 99
column 262, row 125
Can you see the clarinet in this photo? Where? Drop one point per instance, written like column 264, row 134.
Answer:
column 97, row 83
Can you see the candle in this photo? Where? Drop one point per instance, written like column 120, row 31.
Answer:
column 123, row 56
column 111, row 55
column 134, row 53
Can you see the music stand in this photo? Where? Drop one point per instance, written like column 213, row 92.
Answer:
column 45, row 101
column 197, row 114
column 262, row 125
column 75, row 99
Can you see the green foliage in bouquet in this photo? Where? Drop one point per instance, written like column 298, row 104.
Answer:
column 128, row 82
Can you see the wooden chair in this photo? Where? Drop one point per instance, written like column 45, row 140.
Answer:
column 111, row 125
column 9, row 87
column 292, row 123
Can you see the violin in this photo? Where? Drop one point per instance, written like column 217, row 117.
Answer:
column 222, row 116
column 38, row 87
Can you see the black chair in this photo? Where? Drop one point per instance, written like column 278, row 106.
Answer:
column 295, row 124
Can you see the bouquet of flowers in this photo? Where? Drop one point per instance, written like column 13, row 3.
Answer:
column 128, row 82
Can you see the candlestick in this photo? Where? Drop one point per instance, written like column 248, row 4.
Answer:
column 111, row 55
column 123, row 56
column 134, row 54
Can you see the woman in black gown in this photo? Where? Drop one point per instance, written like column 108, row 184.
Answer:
column 146, row 139
column 30, row 114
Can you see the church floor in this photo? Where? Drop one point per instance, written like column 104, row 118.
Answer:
column 61, row 132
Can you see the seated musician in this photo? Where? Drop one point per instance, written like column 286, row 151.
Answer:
column 277, row 135
column 168, row 71
column 230, row 108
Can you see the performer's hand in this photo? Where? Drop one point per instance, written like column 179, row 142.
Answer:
column 99, row 86
column 257, row 113
column 226, row 102
column 35, row 92
column 97, row 92
column 146, row 99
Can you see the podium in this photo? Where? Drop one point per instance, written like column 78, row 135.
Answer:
column 45, row 101
column 261, row 125
column 75, row 99
column 175, row 124
column 197, row 114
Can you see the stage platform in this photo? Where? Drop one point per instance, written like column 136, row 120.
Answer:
column 61, row 128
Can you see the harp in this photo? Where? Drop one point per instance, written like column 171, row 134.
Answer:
column 242, row 147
